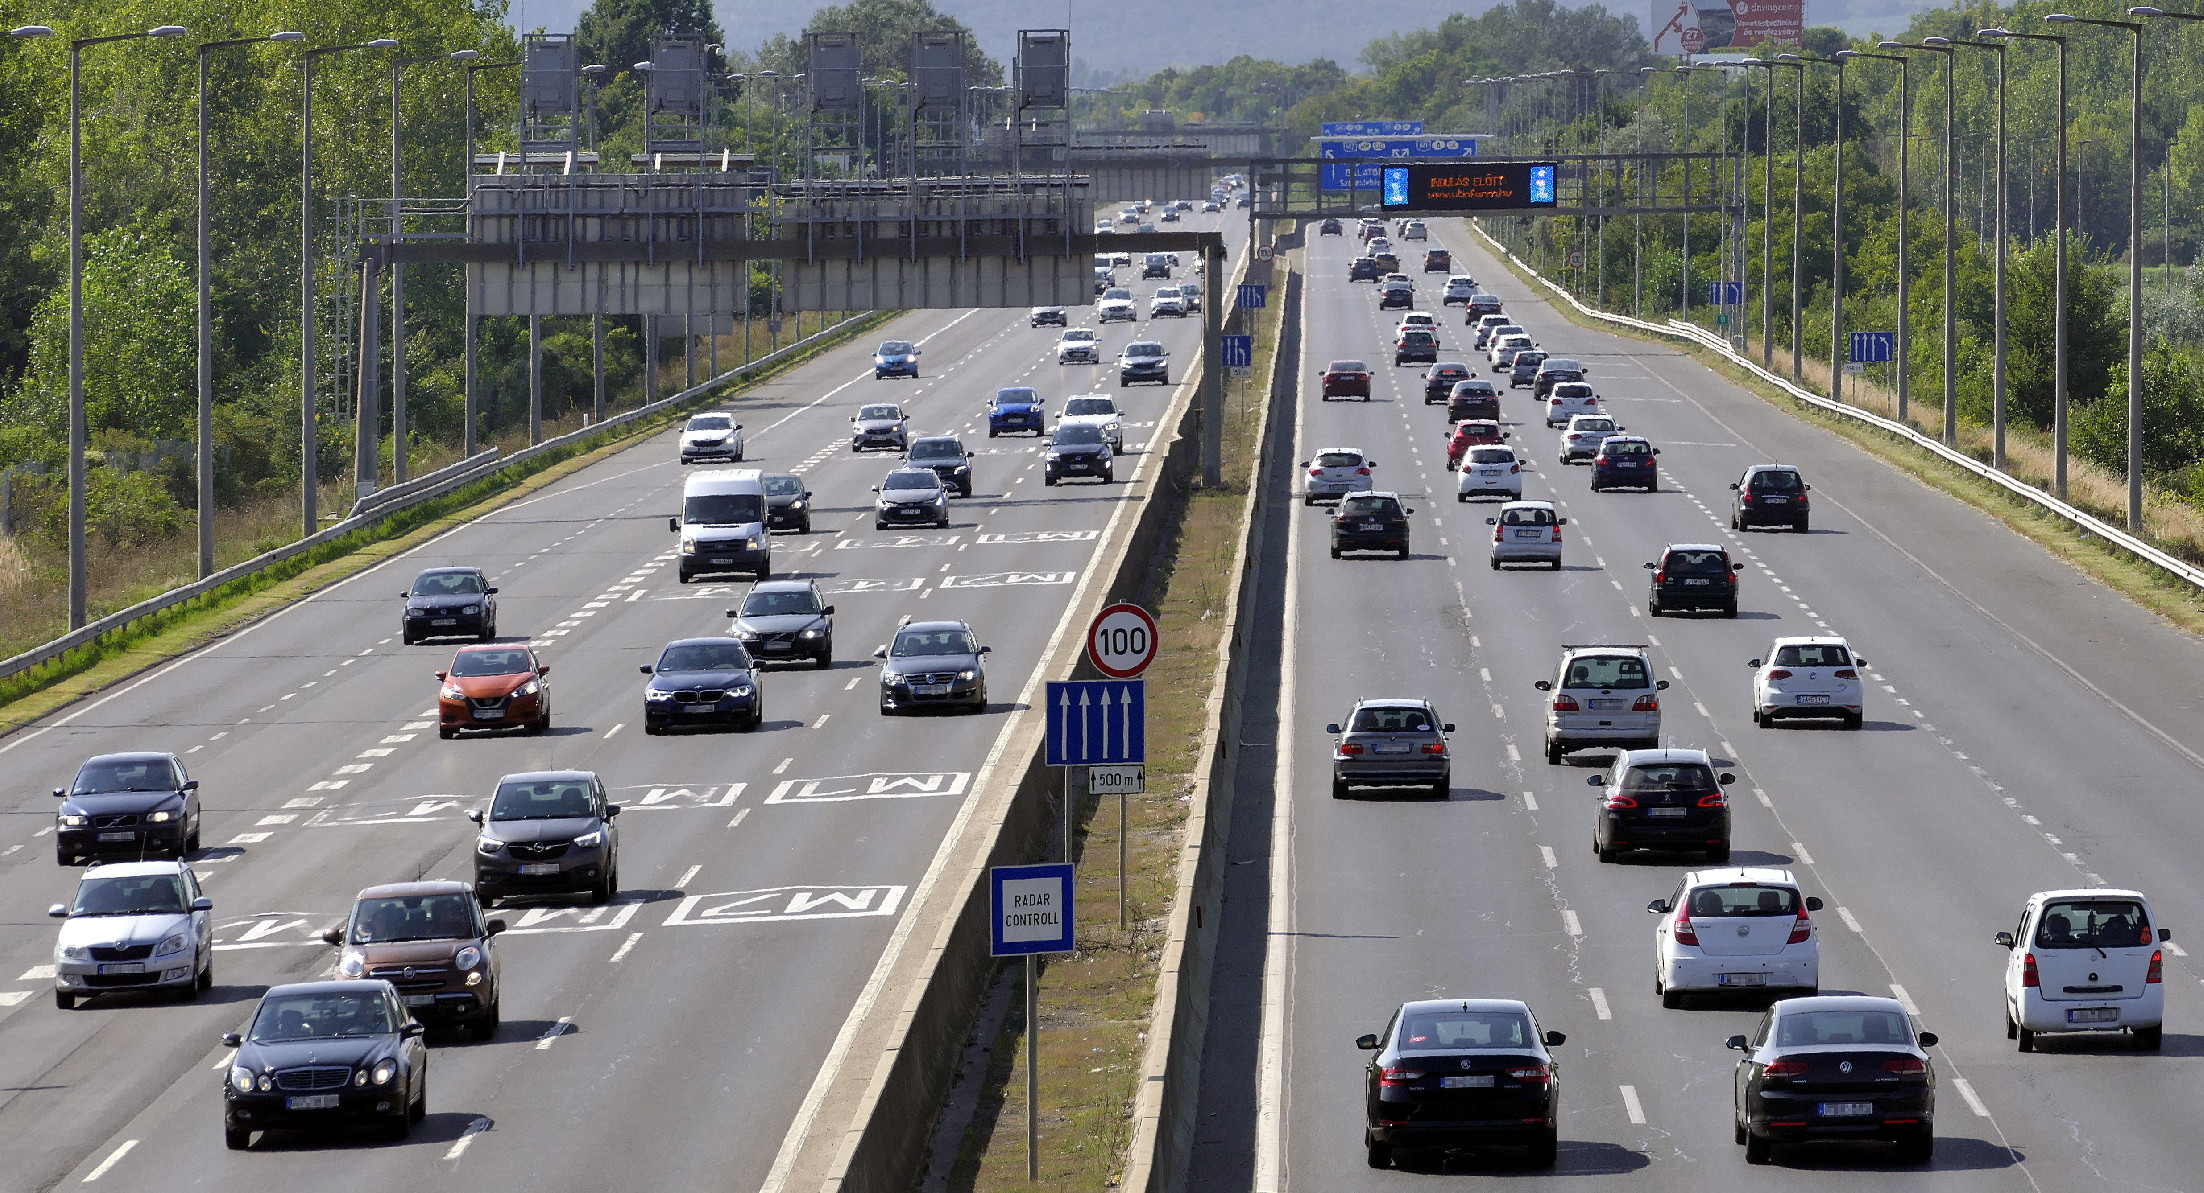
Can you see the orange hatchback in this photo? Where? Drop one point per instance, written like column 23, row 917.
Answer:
column 494, row 687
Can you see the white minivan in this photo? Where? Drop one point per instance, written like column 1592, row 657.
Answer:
column 722, row 524
column 2085, row 960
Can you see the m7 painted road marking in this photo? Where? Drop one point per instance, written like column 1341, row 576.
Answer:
column 785, row 903
column 412, row 809
column 1039, row 536
column 668, row 795
column 1006, row 579
column 539, row 920
column 856, row 584
column 839, row 789
column 898, row 540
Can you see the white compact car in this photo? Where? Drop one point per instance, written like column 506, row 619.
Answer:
column 1116, row 305
column 1414, row 230
column 1808, row 677
column 1485, row 325
column 1742, row 929
column 1336, row 472
column 1527, row 532
column 1501, row 355
column 1459, row 289
column 1580, row 439
column 134, row 926
column 1048, row 317
column 1095, row 410
column 1417, row 320
column 1167, row 302
column 1078, row 346
column 1569, row 399
column 2085, row 960
column 1489, row 471
column 712, row 436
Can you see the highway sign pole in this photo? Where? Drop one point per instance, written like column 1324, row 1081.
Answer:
column 1032, row 914
column 1032, row 1068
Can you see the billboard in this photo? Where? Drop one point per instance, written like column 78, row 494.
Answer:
column 1704, row 26
column 1493, row 186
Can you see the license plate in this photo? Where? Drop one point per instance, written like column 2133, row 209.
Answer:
column 533, row 869
column 118, row 836
column 929, row 689
column 1393, row 748
column 123, row 967
column 1489, row 473
column 1695, row 583
column 1474, row 1081
column 2078, row 1015
column 1665, row 812
column 721, row 559
column 1846, row 1109
column 1599, row 705
column 444, row 621
column 1776, row 500
column 1741, row 979
column 311, row 1102
column 420, row 1000
column 778, row 645
column 1373, row 525
column 489, row 714
column 1526, row 534
column 699, row 707
column 1813, row 700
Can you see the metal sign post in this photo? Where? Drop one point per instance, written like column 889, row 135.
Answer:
column 1032, row 914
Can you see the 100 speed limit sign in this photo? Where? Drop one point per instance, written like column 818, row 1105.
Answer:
column 1122, row 641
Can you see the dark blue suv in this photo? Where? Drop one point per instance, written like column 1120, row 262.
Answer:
column 1625, row 462
column 1015, row 409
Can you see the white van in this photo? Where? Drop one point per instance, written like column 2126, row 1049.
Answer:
column 2086, row 960
column 722, row 524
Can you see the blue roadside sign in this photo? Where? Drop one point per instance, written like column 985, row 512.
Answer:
column 1099, row 721
column 1725, row 294
column 1874, row 347
column 1252, row 295
column 1031, row 909
column 1372, row 128
column 1238, row 352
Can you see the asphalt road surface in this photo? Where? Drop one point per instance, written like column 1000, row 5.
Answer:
column 668, row 1039
column 2026, row 729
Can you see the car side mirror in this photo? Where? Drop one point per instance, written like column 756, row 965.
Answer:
column 2005, row 939
column 645, row 668
column 987, row 650
column 413, row 1027
column 191, row 785
column 1492, row 521
column 880, row 652
column 825, row 609
column 1736, row 1042
column 876, row 488
column 332, row 936
column 1735, row 567
column 1652, row 567
column 1926, row 1039
column 738, row 426
column 490, row 591
column 1656, row 451
column 405, row 596
column 1594, row 781
column 475, row 815
column 1544, row 685
column 1408, row 511
column 674, row 524
column 1755, row 664
column 1618, row 426
column 1554, row 1039
column 611, row 810
column 2164, row 935
column 1660, row 685
column 1804, row 487
column 1813, row 903
column 202, row 903
column 231, row 1039
column 1447, row 728
column 1561, row 521
column 438, row 674
column 1658, row 907
column 60, row 793
column 1368, row 1043
column 1725, row 778
column 1332, row 729
column 1733, row 485
column 493, row 928
column 58, row 911
column 544, row 669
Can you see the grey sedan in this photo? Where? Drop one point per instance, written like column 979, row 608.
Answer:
column 1391, row 743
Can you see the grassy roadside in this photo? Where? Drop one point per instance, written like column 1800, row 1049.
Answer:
column 2139, row 581
column 153, row 640
column 1097, row 1003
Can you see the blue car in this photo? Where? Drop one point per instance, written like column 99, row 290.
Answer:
column 1015, row 409
column 1626, row 462
column 702, row 681
column 895, row 358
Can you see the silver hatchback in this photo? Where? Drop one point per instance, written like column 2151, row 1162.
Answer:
column 1391, row 743
column 1603, row 695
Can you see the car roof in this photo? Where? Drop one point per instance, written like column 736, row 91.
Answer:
column 130, row 756
column 791, row 585
column 702, row 640
column 1465, row 1004
column 1692, row 546
column 1392, row 702
column 1771, row 468
column 935, row 439
column 1836, row 1002
column 1769, row 875
column 2094, row 892
column 333, row 986
column 1450, row 364
column 407, row 890
column 445, row 571
column 136, row 869
column 1526, row 505
column 1356, row 450
column 1813, row 640
column 909, row 470
column 1601, row 414
column 1658, row 757
column 933, row 627
column 478, row 647
column 538, row 776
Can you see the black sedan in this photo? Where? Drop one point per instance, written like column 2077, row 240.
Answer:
column 1370, row 522
column 1328, row 228
column 326, row 1054
column 1462, row 1073
column 449, row 603
column 944, row 454
column 1440, row 379
column 131, row 805
column 1692, row 576
column 1078, row 449
column 786, row 619
column 702, row 681
column 1626, row 462
column 1848, row 1067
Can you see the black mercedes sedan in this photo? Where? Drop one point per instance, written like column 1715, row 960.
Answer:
column 1844, row 1067
column 326, row 1054
column 702, row 681
column 133, row 805
column 785, row 619
column 1453, row 1073
column 455, row 602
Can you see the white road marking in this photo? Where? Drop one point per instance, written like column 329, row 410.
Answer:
column 615, row 729
column 1904, row 1000
column 112, row 1158
column 1845, row 914
column 10, row 998
column 821, row 722
column 1570, row 924
column 249, row 838
column 37, row 973
column 2175, row 949
column 1530, row 802
column 1515, row 756
column 1804, row 858
column 738, row 818
column 1599, row 1003
column 622, row 951
column 277, row 818
column 1631, row 1106
column 1546, row 855
column 459, row 1145
column 1974, row 1101
column 554, row 1032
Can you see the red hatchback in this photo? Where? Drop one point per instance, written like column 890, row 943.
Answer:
column 1347, row 379
column 494, row 687
column 1438, row 261
column 1469, row 433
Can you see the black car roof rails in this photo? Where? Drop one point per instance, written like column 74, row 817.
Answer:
column 1603, row 646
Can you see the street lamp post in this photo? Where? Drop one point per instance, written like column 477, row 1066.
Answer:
column 1942, row 45
column 1997, row 371
column 471, row 60
column 206, row 308
column 2058, row 275
column 78, row 581
column 1836, row 236
column 594, row 73
column 1767, row 215
column 1798, row 197
column 1905, row 172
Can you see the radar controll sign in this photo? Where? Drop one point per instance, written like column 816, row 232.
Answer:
column 1481, row 186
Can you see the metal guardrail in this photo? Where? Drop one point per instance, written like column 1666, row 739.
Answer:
column 382, row 504
column 1715, row 343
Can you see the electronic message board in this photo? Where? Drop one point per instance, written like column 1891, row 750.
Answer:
column 1468, row 186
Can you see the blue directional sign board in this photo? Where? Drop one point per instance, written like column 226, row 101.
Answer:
column 1725, row 294
column 1239, row 353
column 1874, row 347
column 1032, row 909
column 1253, row 295
column 1373, row 128
column 1340, row 175
column 1099, row 720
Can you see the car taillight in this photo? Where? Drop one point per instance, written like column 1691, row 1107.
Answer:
column 1399, row 1076
column 1748, row 499
column 1514, row 468
column 1557, row 534
column 1566, row 704
column 1362, row 472
column 1684, row 932
column 1714, row 800
column 1660, row 577
column 1802, row 930
column 1910, row 1066
column 1349, row 748
column 1779, row 673
column 1619, row 800
column 1847, row 673
column 1555, row 402
column 1533, row 1075
column 1434, row 747
column 2028, row 976
column 2157, row 974
column 1646, row 703
column 1498, row 533
column 1316, row 472
column 1784, row 1068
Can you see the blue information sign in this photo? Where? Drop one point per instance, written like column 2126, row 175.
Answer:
column 1725, row 294
column 1340, row 174
column 1031, row 909
column 1253, row 295
column 1372, row 128
column 1099, row 720
column 1874, row 347
column 1239, row 351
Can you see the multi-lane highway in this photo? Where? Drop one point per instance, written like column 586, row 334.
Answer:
column 2026, row 729
column 666, row 1040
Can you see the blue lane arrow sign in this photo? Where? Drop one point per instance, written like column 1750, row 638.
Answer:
column 1082, row 730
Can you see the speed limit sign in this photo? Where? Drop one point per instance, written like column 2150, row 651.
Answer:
column 1122, row 641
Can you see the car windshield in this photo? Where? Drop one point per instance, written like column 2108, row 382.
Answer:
column 322, row 1017
column 1815, row 654
column 1119, row 292
column 1144, row 348
column 1555, row 365
column 135, row 894
column 1368, row 507
column 1089, row 406
column 896, row 348
column 1169, row 293
column 1527, row 517
column 937, row 449
column 1669, row 776
column 1607, row 671
column 492, row 662
column 915, row 643
column 413, row 917
column 433, row 584
column 2093, row 924
column 1078, row 435
column 708, row 656
column 124, row 774
column 1571, row 389
column 1339, row 459
column 1492, row 455
column 711, row 422
column 1016, row 397
column 783, row 486
column 543, row 799
column 879, row 413
column 1806, row 1029
column 1743, row 899
column 1466, row 1029
column 1774, row 481
column 911, row 480
column 1696, row 563
column 1349, row 366
column 721, row 509
column 1080, row 334
column 776, row 602
column 1380, row 719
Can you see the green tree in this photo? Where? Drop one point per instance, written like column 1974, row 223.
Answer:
column 618, row 32
column 884, row 29
column 2173, row 415
column 140, row 358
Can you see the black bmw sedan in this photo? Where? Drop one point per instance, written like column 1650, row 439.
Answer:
column 1462, row 1073
column 452, row 602
column 132, row 805
column 1846, row 1067
column 326, row 1054
column 702, row 681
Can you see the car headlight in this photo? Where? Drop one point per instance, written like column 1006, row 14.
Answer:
column 452, row 692
column 968, row 673
column 688, row 545
column 173, row 943
column 76, row 952
column 591, row 839
column 161, row 817
column 472, row 609
column 488, row 846
column 385, row 1069
column 352, row 965
column 656, row 694
column 468, row 957
column 795, row 505
column 740, row 689
column 241, row 1079
column 528, row 689
column 72, row 821
column 812, row 633
column 1052, row 456
column 264, row 1083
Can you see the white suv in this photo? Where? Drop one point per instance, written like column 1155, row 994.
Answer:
column 1098, row 411
column 1808, row 677
column 1459, row 289
column 134, row 926
column 1580, row 440
column 2085, row 960
column 1735, row 929
column 1602, row 696
column 1078, row 345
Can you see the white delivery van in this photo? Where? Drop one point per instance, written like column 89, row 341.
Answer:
column 722, row 524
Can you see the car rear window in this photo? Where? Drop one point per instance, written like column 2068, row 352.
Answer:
column 2093, row 924
column 1339, row 459
column 1417, row 336
column 1391, row 720
column 1466, row 1029
column 1669, row 776
column 1774, row 482
column 1368, row 506
column 1527, row 518
column 1558, row 365
column 1526, row 359
column 1627, row 447
column 1476, row 389
column 1805, row 1029
column 1696, row 563
column 1575, row 389
column 1492, row 455
column 1743, row 899
column 1606, row 671
column 1349, row 366
column 1816, row 655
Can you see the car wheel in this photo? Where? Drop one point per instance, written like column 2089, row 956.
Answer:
column 681, row 577
column 1718, row 856
column 1854, row 720
column 65, row 1000
column 990, row 432
column 420, row 1108
column 1759, row 1150
column 1109, row 478
column 650, row 730
column 1672, row 999
column 542, row 724
column 485, row 1025
column 757, row 718
column 1761, row 722
column 1462, row 498
column 489, row 631
column 606, row 887
column 2026, row 1039
column 1048, row 480
column 880, row 526
column 206, row 975
column 486, row 899
column 1557, row 565
column 445, row 733
column 1738, row 1134
column 191, row 843
column 1444, row 788
column 1554, row 754
column 1545, row 1149
column 1652, row 609
column 1799, row 526
column 406, row 637
column 1603, row 853
column 1496, row 563
column 1730, row 610
column 1339, row 788
column 1380, row 1155
column 1335, row 552
column 2012, row 1029
column 2148, row 1039
column 1919, row 1149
